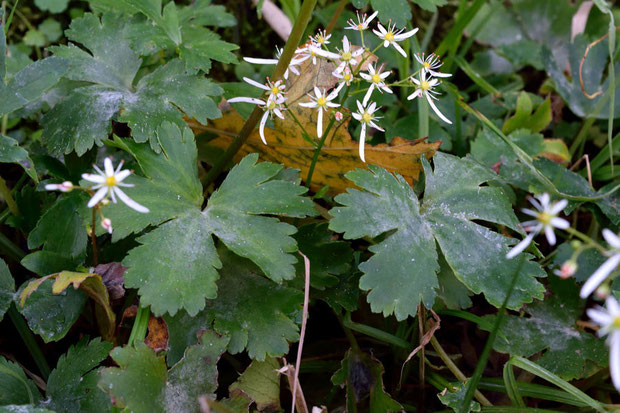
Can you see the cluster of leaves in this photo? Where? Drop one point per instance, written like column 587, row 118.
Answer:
column 218, row 267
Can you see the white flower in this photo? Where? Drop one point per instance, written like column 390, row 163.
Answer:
column 376, row 81
column 108, row 183
column 609, row 320
column 321, row 38
column 391, row 36
column 366, row 117
column 106, row 223
column 346, row 57
column 321, row 102
column 259, row 61
column 275, row 89
column 431, row 64
column 346, row 76
column 608, row 266
column 308, row 51
column 546, row 220
column 425, row 89
column 362, row 23
column 271, row 106
column 66, row 186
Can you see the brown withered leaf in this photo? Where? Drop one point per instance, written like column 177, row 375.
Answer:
column 157, row 338
column 340, row 153
column 112, row 276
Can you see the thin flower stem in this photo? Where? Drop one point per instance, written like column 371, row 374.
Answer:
column 305, row 14
column 29, row 341
column 334, row 20
column 304, row 132
column 585, row 239
column 456, row 371
column 5, row 193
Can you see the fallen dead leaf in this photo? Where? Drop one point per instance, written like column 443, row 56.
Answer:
column 340, row 153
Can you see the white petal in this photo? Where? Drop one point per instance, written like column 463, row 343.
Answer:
column 381, row 29
column 99, row 195
column 130, row 202
column 362, row 142
column 416, row 81
column 246, row 100
column 98, row 179
column 308, row 104
column 366, row 76
column 529, row 212
column 368, row 94
column 419, row 59
column 319, row 124
column 437, row 112
column 611, row 238
column 558, row 206
column 386, row 43
column 109, row 168
column 559, row 223
column 258, row 61
column 414, row 95
column 256, row 84
column 377, row 127
column 536, row 204
column 612, row 306
column 371, row 17
column 550, row 234
column 278, row 113
column 261, row 129
column 360, row 107
column 520, row 246
column 346, row 46
column 371, row 107
column 122, row 175
column 439, row 74
column 400, row 49
column 357, row 116
column 403, row 36
column 544, row 200
column 325, row 53
column 599, row 276
column 600, row 317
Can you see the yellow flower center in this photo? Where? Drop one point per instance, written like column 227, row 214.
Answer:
column 425, row 85
column 427, row 65
column 376, row 78
column 346, row 56
column 321, row 101
column 271, row 105
column 616, row 322
column 110, row 181
column 360, row 27
column 347, row 77
column 275, row 90
column 544, row 217
column 320, row 39
column 366, row 117
column 389, row 36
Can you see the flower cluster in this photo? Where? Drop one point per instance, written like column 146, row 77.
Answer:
column 546, row 220
column 350, row 69
column 107, row 187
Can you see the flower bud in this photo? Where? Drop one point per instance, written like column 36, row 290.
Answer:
column 575, row 244
column 66, row 186
column 603, row 291
column 567, row 269
column 338, row 116
column 106, row 223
